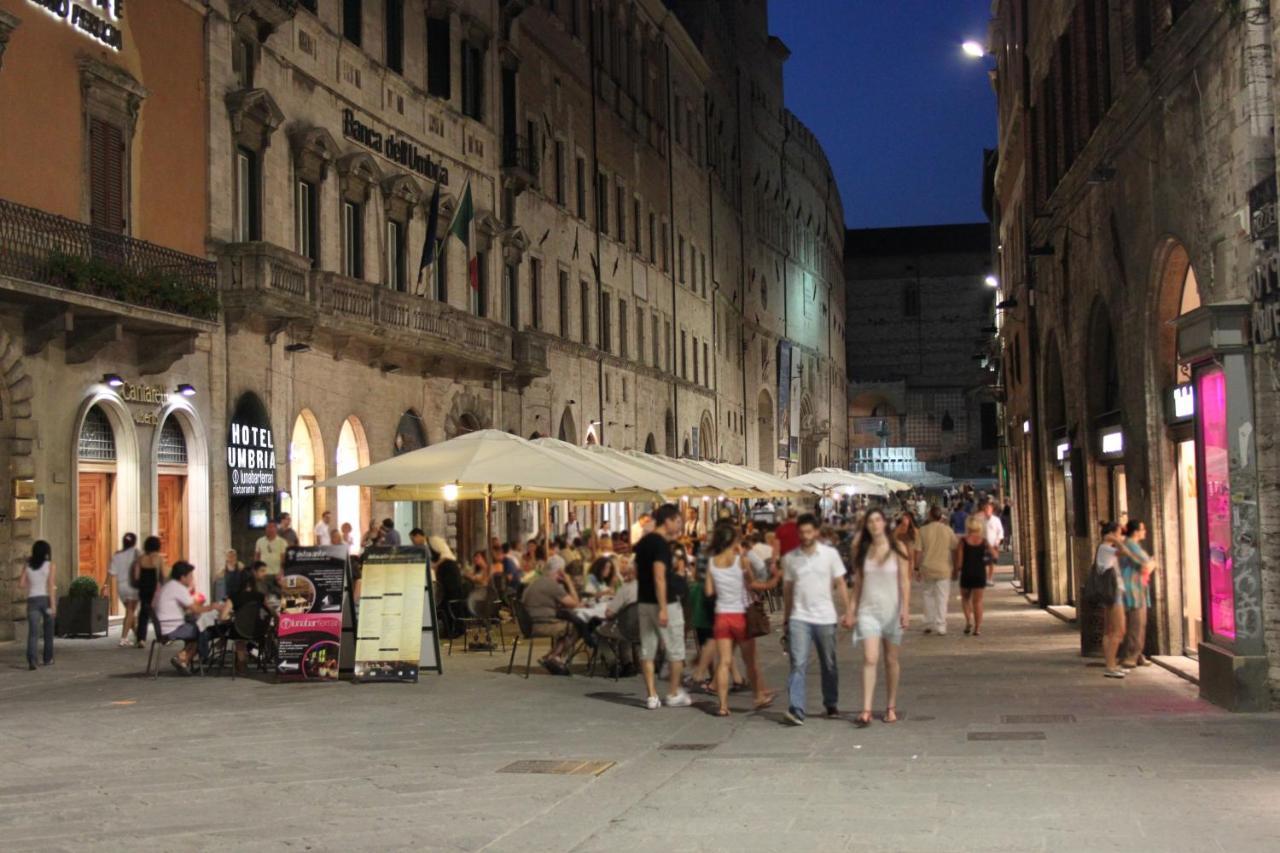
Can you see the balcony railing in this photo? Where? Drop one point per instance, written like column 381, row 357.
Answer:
column 267, row 274
column 50, row 249
column 519, row 154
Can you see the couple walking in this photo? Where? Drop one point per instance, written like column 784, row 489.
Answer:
column 876, row 608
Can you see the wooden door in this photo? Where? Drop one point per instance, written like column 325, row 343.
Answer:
column 171, row 490
column 94, row 525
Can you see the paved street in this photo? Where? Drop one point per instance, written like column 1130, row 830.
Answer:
column 1010, row 742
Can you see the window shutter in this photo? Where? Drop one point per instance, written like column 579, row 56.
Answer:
column 106, row 175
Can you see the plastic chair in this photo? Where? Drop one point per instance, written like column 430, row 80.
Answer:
column 157, row 640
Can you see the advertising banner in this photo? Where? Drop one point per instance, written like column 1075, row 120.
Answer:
column 312, row 587
column 784, row 399
column 396, row 609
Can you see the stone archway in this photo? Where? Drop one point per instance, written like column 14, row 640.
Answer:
column 706, row 437
column 669, row 427
column 306, row 468
column 568, row 429
column 467, row 414
column 354, row 504
column 650, row 444
column 197, row 514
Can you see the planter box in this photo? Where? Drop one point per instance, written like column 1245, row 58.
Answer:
column 81, row 617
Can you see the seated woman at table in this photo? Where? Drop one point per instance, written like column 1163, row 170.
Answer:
column 602, row 578
column 251, row 593
column 175, row 601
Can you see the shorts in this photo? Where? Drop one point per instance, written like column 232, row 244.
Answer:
column 126, row 593
column 871, row 627
column 651, row 633
column 731, row 626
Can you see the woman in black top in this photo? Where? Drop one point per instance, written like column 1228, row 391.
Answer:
column 147, row 573
column 971, row 568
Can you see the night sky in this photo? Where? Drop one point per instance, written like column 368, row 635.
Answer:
column 901, row 112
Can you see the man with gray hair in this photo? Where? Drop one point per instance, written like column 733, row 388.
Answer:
column 551, row 594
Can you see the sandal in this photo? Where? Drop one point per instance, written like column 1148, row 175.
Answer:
column 764, row 703
column 968, row 629
column 862, row 720
column 722, row 712
column 890, row 711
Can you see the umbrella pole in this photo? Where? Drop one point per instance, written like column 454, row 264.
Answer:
column 546, row 520
column 488, row 522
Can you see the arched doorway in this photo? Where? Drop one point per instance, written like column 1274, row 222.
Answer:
column 306, row 468
column 706, row 438
column 1056, row 572
column 568, row 430
column 181, row 492
column 669, row 428
column 764, row 432
column 354, row 502
column 410, row 436
column 650, row 444
column 810, row 436
column 106, row 486
column 1175, row 499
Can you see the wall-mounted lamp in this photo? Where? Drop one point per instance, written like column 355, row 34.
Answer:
column 112, row 380
column 187, row 390
column 1006, row 304
column 991, row 280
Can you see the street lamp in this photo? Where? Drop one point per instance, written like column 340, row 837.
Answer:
column 991, row 280
column 973, row 49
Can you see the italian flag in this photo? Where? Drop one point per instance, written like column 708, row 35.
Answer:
column 460, row 227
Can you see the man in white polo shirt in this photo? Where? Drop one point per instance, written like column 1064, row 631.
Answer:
column 809, row 575
column 995, row 536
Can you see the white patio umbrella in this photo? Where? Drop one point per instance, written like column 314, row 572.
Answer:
column 490, row 465
column 770, row 484
column 827, row 480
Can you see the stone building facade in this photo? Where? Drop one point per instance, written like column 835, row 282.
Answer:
column 622, row 257
column 1135, row 204
column 652, row 233
column 109, row 329
column 919, row 312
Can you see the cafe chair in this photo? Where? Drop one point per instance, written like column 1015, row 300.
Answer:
column 250, row 624
column 487, row 619
column 529, row 631
column 158, row 640
column 620, row 632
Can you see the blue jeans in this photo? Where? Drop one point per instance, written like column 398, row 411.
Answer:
column 37, row 609
column 188, row 631
column 801, row 636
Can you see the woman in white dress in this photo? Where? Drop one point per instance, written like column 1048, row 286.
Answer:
column 881, row 596
column 122, row 570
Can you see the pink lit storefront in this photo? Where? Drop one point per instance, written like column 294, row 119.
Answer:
column 1214, row 342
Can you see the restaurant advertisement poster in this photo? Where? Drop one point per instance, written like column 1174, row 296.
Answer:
column 312, row 587
column 397, row 609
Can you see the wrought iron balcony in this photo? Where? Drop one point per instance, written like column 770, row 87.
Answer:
column 519, row 162
column 41, row 247
column 275, row 288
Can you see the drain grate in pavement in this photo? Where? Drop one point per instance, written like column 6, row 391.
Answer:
column 688, row 747
column 1006, row 736
column 558, row 768
column 1023, row 719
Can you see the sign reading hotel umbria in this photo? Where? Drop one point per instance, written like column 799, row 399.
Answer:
column 401, row 151
column 95, row 26
column 251, row 450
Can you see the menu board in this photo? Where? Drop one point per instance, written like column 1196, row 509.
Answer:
column 312, row 586
column 396, row 610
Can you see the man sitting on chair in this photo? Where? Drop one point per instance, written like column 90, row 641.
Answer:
column 174, row 603
column 545, row 599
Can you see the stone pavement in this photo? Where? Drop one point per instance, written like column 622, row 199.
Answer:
column 1010, row 742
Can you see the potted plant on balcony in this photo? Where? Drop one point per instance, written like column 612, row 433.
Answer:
column 82, row 612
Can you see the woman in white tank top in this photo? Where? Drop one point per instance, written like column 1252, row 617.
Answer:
column 881, row 595
column 730, row 582
column 41, row 589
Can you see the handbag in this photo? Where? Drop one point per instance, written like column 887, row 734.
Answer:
column 1100, row 587
column 758, row 624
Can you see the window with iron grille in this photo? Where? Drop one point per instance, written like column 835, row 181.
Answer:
column 97, row 441
column 173, row 445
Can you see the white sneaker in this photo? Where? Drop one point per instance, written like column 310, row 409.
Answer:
column 1115, row 673
column 653, row 703
column 679, row 700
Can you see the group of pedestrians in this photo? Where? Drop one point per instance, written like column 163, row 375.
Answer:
column 1121, row 586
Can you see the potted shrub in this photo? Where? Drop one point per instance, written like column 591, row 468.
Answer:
column 82, row 612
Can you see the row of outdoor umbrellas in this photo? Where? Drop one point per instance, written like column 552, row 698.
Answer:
column 495, row 465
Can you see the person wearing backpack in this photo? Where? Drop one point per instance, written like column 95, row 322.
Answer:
column 1107, row 591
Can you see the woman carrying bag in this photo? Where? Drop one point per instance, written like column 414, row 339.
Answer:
column 1103, row 589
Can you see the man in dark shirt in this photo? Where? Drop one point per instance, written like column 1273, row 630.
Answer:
column 661, row 616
